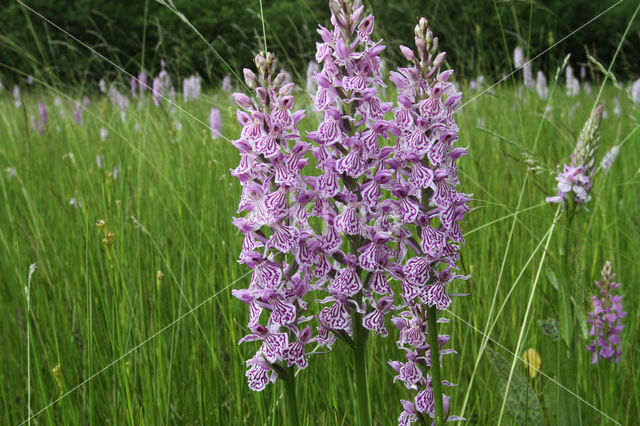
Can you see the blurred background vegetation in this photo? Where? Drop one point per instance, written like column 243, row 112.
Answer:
column 479, row 35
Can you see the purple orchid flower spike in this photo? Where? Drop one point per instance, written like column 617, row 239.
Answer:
column 215, row 122
column 605, row 318
column 574, row 181
column 276, row 242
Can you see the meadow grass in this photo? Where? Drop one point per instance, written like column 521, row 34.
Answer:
column 170, row 210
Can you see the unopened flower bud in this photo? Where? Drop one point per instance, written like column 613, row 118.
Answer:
column 286, row 89
column 335, row 7
column 260, row 61
column 242, row 100
column 434, row 46
column 262, row 94
column 407, row 53
column 250, row 78
column 438, row 61
column 280, row 78
column 423, row 23
column 357, row 15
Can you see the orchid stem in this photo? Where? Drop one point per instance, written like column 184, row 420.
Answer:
column 359, row 346
column 436, row 381
column 290, row 398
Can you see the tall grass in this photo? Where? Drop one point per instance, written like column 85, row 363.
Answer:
column 170, row 210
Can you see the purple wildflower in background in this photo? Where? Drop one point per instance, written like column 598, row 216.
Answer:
column 312, row 70
column 605, row 318
column 157, row 91
column 134, row 87
column 162, row 87
column 30, row 80
column 518, row 57
column 215, row 122
column 572, row 83
column 527, row 75
column 77, row 113
column 86, row 102
column 17, row 100
column 574, row 181
column 42, row 109
column 143, row 80
column 226, row 84
column 40, row 124
column 635, row 91
column 102, row 85
column 191, row 88
column 120, row 100
column 104, row 134
column 541, row 86
column 609, row 158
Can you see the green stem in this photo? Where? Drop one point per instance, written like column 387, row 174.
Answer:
column 359, row 345
column 436, row 381
column 290, row 398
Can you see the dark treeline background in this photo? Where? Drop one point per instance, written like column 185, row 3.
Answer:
column 479, row 35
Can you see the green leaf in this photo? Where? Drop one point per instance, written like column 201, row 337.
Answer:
column 522, row 401
column 550, row 327
column 582, row 318
column 551, row 276
column 566, row 321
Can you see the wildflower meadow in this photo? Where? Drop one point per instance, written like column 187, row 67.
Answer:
column 336, row 212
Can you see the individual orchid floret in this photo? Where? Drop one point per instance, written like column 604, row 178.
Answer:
column 605, row 318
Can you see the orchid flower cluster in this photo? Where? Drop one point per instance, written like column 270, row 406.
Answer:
column 605, row 318
column 574, row 182
column 572, row 82
column 377, row 230
column 162, row 86
column 191, row 88
column 427, row 159
column 41, row 124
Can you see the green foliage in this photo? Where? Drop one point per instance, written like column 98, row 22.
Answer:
column 479, row 35
column 522, row 400
column 90, row 306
